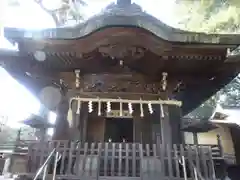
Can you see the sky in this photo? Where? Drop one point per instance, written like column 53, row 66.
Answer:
column 17, row 103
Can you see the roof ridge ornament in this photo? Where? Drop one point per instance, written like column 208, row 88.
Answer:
column 123, row 7
column 124, row 3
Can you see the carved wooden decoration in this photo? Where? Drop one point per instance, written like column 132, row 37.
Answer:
column 119, row 83
column 122, row 51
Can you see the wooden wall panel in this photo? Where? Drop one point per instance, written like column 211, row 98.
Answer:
column 96, row 129
column 137, row 129
column 211, row 138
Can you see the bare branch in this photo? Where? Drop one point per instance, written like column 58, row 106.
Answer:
column 69, row 10
column 50, row 12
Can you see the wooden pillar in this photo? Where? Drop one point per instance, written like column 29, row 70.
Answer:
column 82, row 122
column 219, row 142
column 137, row 129
column 142, row 127
column 170, row 123
column 222, row 169
column 77, row 127
column 175, row 121
column 74, row 124
column 156, row 126
column 62, row 127
column 166, row 135
column 85, row 126
column 73, row 128
column 137, row 136
column 146, row 130
column 195, row 138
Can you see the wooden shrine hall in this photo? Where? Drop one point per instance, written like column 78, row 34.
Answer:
column 120, row 83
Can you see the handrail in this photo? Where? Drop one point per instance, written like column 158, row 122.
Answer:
column 55, row 166
column 197, row 173
column 44, row 164
column 183, row 163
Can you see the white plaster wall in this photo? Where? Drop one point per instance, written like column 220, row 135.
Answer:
column 211, row 138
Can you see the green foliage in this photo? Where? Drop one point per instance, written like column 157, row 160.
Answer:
column 212, row 16
column 8, row 133
column 68, row 10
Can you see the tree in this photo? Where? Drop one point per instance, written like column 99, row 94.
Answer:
column 68, row 10
column 209, row 16
column 64, row 12
column 10, row 134
column 212, row 16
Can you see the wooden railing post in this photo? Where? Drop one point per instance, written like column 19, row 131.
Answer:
column 219, row 142
column 223, row 164
column 125, row 159
column 212, row 167
column 158, row 143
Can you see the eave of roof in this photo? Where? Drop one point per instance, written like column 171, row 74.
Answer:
column 191, row 101
column 117, row 16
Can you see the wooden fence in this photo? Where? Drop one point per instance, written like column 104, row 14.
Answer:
column 124, row 160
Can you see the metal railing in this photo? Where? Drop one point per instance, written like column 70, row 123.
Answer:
column 183, row 163
column 44, row 167
column 197, row 174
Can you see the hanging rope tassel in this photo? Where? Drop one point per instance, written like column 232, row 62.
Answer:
column 70, row 113
column 108, row 106
column 99, row 107
column 90, row 107
column 130, row 109
column 150, row 108
column 141, row 110
column 121, row 109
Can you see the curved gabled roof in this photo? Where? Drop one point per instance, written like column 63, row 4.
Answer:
column 122, row 16
column 133, row 16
